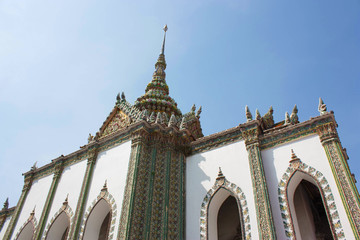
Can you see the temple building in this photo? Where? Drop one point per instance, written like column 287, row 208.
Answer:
column 150, row 173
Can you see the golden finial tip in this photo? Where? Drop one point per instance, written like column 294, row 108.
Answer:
column 165, row 28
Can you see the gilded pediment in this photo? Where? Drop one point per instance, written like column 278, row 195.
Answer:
column 117, row 121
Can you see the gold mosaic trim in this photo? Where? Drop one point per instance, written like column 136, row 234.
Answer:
column 236, row 192
column 113, row 208
column 325, row 191
column 68, row 211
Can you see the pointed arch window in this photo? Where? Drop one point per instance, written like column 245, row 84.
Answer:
column 228, row 220
column 98, row 223
column 59, row 228
column 307, row 205
column 311, row 218
column 27, row 232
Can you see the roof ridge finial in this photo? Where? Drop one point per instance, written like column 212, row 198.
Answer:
column 322, row 107
column 293, row 116
column 248, row 114
column 33, row 211
column 163, row 45
column 105, row 185
column 6, row 204
column 66, row 201
column 220, row 174
column 294, row 158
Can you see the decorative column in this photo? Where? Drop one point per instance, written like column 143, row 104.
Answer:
column 29, row 177
column 58, row 168
column 153, row 203
column 265, row 221
column 139, row 156
column 345, row 184
column 91, row 156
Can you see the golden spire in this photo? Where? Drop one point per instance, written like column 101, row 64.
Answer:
column 156, row 98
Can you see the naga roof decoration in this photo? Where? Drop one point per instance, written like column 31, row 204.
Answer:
column 267, row 121
column 155, row 107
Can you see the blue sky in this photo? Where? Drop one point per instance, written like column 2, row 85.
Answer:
column 63, row 62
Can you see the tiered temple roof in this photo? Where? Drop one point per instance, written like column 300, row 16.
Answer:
column 155, row 106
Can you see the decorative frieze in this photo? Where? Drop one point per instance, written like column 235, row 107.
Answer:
column 216, row 140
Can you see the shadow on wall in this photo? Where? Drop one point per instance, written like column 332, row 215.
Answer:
column 198, row 175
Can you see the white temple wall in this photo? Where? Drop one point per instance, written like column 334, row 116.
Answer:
column 36, row 198
column 201, row 173
column 111, row 165
column 70, row 183
column 5, row 226
column 310, row 151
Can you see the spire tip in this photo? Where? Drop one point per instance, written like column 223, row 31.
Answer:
column 163, row 45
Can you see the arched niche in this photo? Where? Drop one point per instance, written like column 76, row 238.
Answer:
column 60, row 224
column 214, row 200
column 98, row 223
column 27, row 230
column 59, row 228
column 99, row 220
column 289, row 184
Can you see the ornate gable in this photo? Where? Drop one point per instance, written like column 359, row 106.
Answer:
column 117, row 120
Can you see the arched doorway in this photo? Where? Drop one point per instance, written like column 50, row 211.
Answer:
column 98, row 223
column 224, row 217
column 311, row 215
column 59, row 228
column 228, row 220
column 27, row 232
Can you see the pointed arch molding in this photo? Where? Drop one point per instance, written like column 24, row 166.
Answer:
column 104, row 194
column 68, row 211
column 32, row 219
column 222, row 182
column 326, row 194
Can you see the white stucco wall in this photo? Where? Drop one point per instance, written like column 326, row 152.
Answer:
column 311, row 152
column 36, row 198
column 201, row 173
column 111, row 165
column 70, row 183
column 3, row 230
